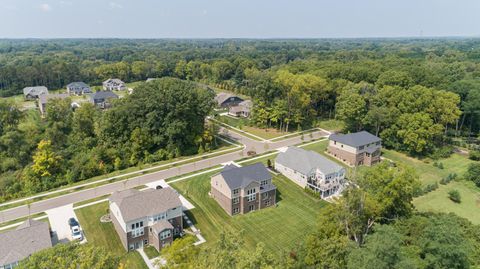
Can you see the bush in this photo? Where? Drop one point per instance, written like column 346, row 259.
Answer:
column 474, row 155
column 426, row 189
column 447, row 179
column 473, row 173
column 442, row 153
column 454, row 195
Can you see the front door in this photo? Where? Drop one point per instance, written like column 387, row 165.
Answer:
column 138, row 244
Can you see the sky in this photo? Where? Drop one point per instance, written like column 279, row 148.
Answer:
column 238, row 19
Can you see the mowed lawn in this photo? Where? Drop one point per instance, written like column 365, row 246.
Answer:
column 242, row 124
column 438, row 201
column 280, row 228
column 104, row 235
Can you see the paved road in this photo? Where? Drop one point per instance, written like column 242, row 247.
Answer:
column 78, row 196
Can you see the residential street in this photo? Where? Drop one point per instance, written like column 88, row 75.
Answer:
column 78, row 196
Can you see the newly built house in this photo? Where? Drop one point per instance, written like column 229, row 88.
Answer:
column 311, row 170
column 239, row 190
column 102, row 99
column 361, row 148
column 45, row 98
column 32, row 93
column 224, row 99
column 28, row 238
column 114, row 84
column 150, row 217
column 78, row 88
column 243, row 109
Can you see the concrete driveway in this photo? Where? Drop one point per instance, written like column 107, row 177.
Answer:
column 58, row 218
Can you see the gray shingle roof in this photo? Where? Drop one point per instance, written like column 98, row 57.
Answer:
column 162, row 225
column 223, row 96
column 103, row 95
column 134, row 204
column 78, row 84
column 240, row 177
column 35, row 91
column 43, row 99
column 304, row 161
column 355, row 139
column 28, row 238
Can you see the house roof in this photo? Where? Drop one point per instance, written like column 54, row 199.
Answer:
column 242, row 106
column 78, row 84
column 135, row 204
column 35, row 91
column 162, row 225
column 43, row 99
column 240, row 177
column 355, row 139
column 28, row 238
column 114, row 81
column 103, row 95
column 223, row 96
column 304, row 161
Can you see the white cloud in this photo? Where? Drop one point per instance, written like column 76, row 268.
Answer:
column 66, row 3
column 114, row 5
column 45, row 7
column 205, row 12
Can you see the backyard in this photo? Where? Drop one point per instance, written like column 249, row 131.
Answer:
column 277, row 227
column 104, row 235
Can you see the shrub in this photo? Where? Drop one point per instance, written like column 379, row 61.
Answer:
column 473, row 173
column 454, row 195
column 440, row 165
column 474, row 155
column 447, row 179
column 441, row 153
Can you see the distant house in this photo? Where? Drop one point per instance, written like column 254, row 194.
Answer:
column 78, row 88
column 242, row 109
column 32, row 93
column 311, row 170
column 151, row 79
column 114, row 84
column 28, row 238
column 355, row 148
column 224, row 99
column 102, row 99
column 43, row 100
column 150, row 217
column 239, row 190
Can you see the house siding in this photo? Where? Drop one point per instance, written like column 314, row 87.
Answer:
column 297, row 177
column 121, row 233
column 224, row 201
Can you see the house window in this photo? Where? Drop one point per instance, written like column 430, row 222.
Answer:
column 236, row 210
column 236, row 200
column 263, row 183
column 251, row 195
column 361, row 147
column 145, row 242
column 236, row 191
column 131, row 247
column 265, row 196
column 267, row 203
column 165, row 234
column 160, row 217
column 251, row 207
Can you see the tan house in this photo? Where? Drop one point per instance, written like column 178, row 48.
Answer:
column 150, row 217
column 241, row 110
column 239, row 190
column 361, row 148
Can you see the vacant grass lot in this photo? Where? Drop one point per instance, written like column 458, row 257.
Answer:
column 438, row 201
column 104, row 235
column 280, row 228
column 242, row 124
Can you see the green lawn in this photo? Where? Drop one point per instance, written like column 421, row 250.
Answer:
column 242, row 124
column 438, row 201
column 104, row 235
column 428, row 173
column 151, row 252
column 331, row 125
column 280, row 228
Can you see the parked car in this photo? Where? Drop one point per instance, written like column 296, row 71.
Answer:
column 251, row 153
column 75, row 228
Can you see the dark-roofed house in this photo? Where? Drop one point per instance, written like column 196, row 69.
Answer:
column 78, row 88
column 44, row 98
column 114, row 84
column 361, row 148
column 240, row 190
column 102, row 99
column 224, row 99
column 28, row 238
column 242, row 110
column 311, row 170
column 150, row 217
column 32, row 93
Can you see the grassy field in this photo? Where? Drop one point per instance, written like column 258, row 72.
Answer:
column 438, row 201
column 280, row 228
column 242, row 124
column 104, row 235
column 331, row 125
column 151, row 252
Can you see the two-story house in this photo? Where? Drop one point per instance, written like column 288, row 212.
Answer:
column 243, row 109
column 150, row 217
column 239, row 190
column 32, row 93
column 361, row 148
column 102, row 99
column 78, row 88
column 311, row 170
column 114, row 84
column 224, row 99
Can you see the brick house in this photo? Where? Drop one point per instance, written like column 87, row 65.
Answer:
column 309, row 169
column 361, row 148
column 150, row 217
column 239, row 190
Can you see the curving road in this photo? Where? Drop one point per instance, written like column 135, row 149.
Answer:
column 78, row 196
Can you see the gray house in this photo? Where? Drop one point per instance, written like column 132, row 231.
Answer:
column 361, row 148
column 78, row 88
column 114, row 84
column 224, row 99
column 239, row 190
column 32, row 93
column 102, row 99
column 28, row 238
column 44, row 98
